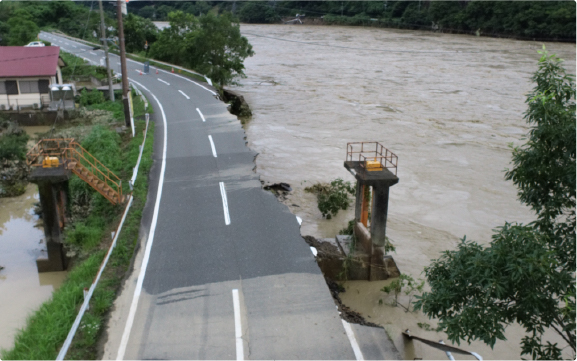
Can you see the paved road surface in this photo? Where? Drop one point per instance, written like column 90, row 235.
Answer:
column 226, row 274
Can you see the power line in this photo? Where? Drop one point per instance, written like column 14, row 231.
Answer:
column 367, row 49
column 400, row 25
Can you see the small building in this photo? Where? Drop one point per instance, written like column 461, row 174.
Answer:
column 27, row 74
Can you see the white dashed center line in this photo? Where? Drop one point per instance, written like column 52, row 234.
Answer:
column 92, row 53
column 186, row 96
column 202, row 116
column 212, row 145
column 225, row 207
column 163, row 81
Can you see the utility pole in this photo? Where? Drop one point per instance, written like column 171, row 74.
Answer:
column 105, row 42
column 123, row 64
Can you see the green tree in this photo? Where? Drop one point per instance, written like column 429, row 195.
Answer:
column 147, row 12
column 138, row 31
column 527, row 273
column 211, row 44
column 22, row 30
column 258, row 12
column 172, row 41
column 219, row 49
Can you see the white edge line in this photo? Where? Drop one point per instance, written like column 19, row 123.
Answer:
column 212, row 146
column 224, row 204
column 72, row 332
column 200, row 113
column 353, row 340
column 134, row 304
column 237, row 325
column 181, row 92
column 135, row 171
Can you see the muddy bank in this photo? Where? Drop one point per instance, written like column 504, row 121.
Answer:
column 237, row 104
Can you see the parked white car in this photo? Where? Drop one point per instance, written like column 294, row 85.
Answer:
column 35, row 43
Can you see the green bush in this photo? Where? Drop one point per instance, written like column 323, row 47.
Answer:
column 13, row 146
column 332, row 198
column 90, row 98
column 406, row 284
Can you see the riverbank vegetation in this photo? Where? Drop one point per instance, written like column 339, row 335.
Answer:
column 13, row 169
column 211, row 44
column 332, row 197
column 87, row 235
column 527, row 273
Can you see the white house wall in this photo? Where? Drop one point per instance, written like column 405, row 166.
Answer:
column 24, row 100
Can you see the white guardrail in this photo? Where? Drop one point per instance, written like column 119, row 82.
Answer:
column 156, row 61
column 88, row 295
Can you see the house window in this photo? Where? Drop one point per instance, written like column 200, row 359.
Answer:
column 8, row 87
column 27, row 87
column 43, row 86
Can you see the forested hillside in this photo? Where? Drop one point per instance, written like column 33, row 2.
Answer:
column 542, row 20
column 20, row 22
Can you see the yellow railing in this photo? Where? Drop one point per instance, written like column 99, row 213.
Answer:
column 72, row 156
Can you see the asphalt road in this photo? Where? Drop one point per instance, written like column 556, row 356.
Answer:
column 226, row 274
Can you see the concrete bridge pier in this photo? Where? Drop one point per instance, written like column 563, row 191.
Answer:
column 54, row 198
column 373, row 194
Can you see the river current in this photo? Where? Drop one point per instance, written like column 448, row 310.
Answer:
column 448, row 105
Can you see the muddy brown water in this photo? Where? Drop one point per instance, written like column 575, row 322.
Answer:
column 447, row 105
column 22, row 288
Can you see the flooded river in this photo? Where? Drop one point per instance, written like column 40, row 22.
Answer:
column 22, row 288
column 447, row 105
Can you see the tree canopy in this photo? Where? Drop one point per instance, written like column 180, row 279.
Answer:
column 527, row 273
column 137, row 32
column 211, row 44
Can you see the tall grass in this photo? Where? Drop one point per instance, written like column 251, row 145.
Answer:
column 47, row 328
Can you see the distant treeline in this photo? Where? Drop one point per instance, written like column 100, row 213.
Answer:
column 540, row 20
column 21, row 21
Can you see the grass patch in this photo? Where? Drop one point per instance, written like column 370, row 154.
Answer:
column 88, row 239
column 77, row 68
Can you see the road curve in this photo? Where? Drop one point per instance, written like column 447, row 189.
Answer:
column 226, row 274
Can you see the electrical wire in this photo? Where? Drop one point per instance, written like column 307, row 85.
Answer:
column 400, row 25
column 365, row 49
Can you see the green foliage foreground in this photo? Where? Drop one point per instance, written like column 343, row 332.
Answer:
column 527, row 273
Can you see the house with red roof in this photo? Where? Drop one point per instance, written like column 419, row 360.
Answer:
column 27, row 75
